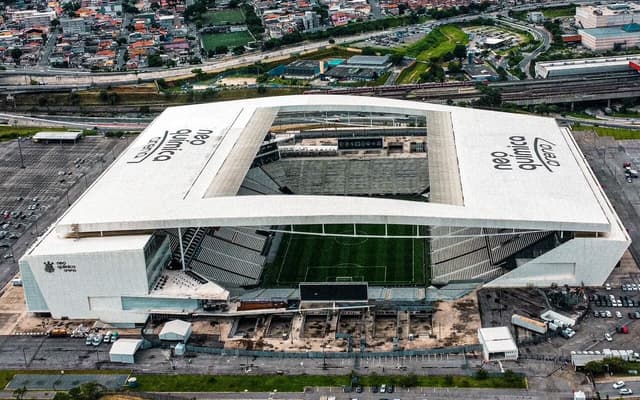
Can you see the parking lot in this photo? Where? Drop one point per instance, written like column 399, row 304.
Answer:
column 54, row 175
column 395, row 39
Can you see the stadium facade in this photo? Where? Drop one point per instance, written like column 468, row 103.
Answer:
column 187, row 212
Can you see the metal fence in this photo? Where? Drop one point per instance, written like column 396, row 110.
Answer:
column 332, row 355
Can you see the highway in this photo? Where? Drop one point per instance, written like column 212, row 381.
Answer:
column 538, row 33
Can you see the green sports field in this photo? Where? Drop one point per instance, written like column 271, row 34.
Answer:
column 308, row 258
column 223, row 17
column 232, row 39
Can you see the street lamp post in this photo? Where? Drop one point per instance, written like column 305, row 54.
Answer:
column 20, row 151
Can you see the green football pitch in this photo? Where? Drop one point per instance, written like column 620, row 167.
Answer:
column 309, row 258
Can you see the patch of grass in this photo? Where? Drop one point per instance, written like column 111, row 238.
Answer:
column 412, row 74
column 223, row 17
column 558, row 12
column 513, row 381
column 297, row 383
column 327, row 258
column 7, row 374
column 626, row 114
column 617, row 133
column 232, row 39
column 235, row 383
column 437, row 43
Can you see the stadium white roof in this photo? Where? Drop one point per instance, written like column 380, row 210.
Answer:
column 514, row 171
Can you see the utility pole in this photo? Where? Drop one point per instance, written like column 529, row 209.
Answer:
column 20, row 151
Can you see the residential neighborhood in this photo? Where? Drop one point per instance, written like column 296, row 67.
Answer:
column 108, row 35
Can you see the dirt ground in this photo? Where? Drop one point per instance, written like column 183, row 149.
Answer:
column 237, row 81
column 455, row 323
column 119, row 397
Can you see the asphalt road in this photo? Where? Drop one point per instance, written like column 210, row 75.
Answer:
column 606, row 389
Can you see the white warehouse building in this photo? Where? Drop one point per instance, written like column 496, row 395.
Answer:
column 180, row 218
column 601, row 16
column 497, row 344
column 584, row 66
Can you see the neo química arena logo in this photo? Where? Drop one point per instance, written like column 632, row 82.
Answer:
column 525, row 155
column 163, row 148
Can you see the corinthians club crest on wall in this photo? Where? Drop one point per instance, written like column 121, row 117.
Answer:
column 48, row 266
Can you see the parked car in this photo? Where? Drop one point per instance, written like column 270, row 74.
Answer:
column 618, row 314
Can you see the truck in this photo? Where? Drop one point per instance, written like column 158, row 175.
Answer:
column 529, row 323
column 558, row 319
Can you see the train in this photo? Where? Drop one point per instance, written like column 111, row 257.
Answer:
column 391, row 88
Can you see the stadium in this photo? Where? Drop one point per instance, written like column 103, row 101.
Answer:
column 324, row 199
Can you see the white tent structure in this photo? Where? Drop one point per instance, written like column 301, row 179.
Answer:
column 176, row 331
column 124, row 350
column 497, row 344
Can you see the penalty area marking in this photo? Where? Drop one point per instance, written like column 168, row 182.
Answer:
column 346, row 265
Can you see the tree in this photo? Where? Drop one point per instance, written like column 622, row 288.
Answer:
column 70, row 8
column 154, row 60
column 19, row 393
column 221, row 50
column 91, row 391
column 262, row 78
column 155, row 6
column 409, row 381
column 482, row 374
column 490, row 97
column 454, row 67
column 460, row 51
column 238, row 50
column 16, row 53
column 368, row 51
column 55, row 23
column 396, row 58
column 434, row 74
column 74, row 98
